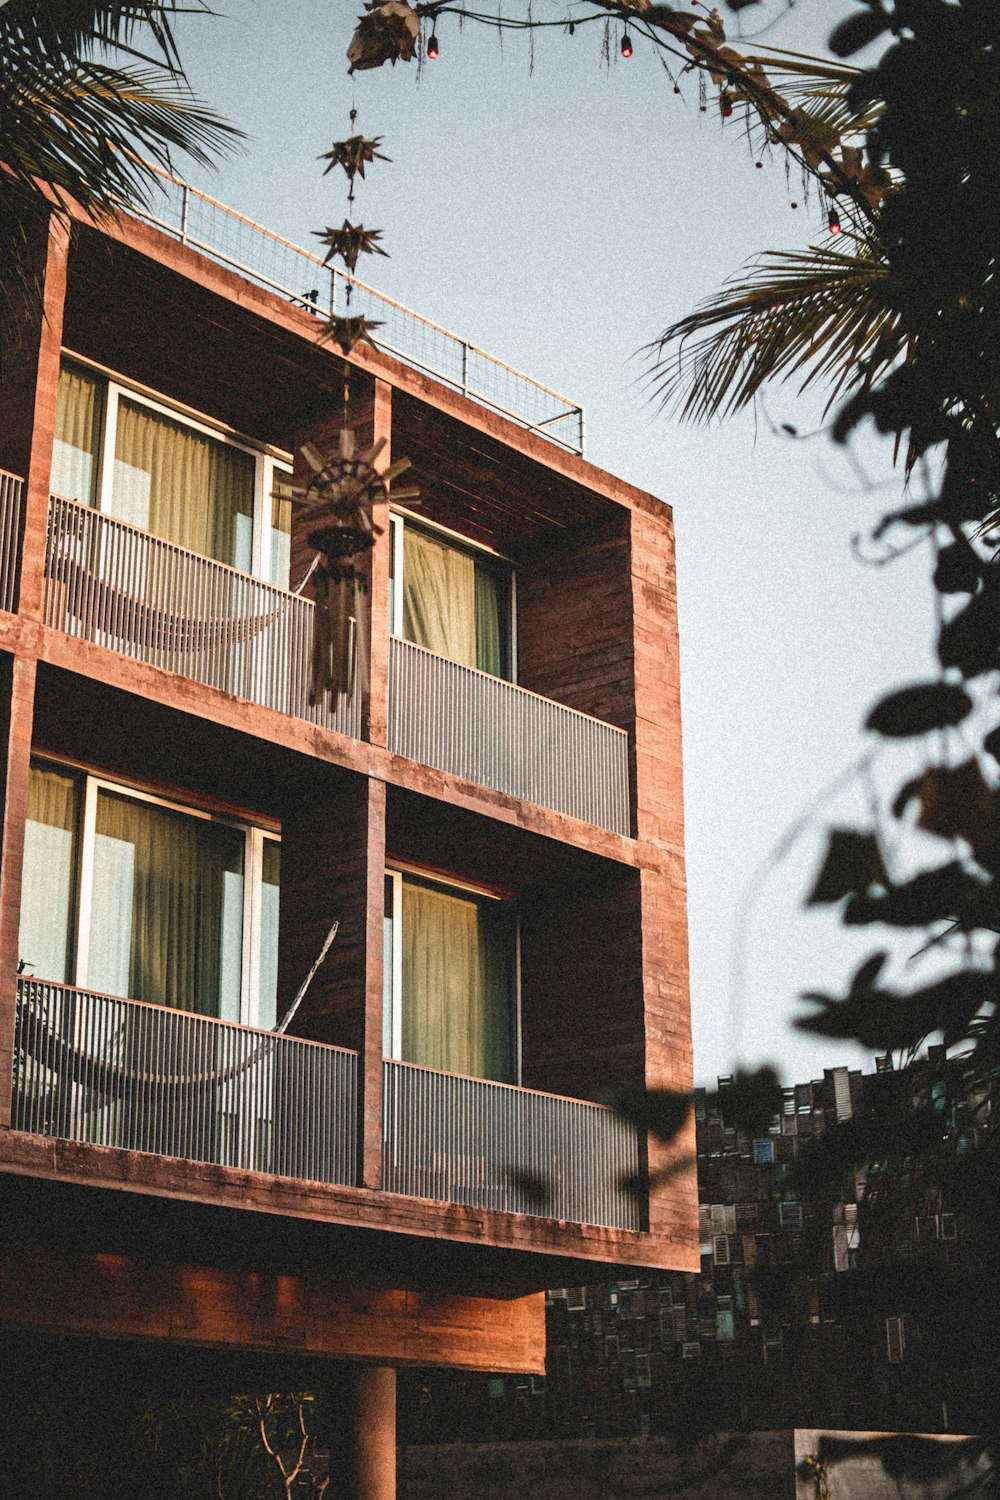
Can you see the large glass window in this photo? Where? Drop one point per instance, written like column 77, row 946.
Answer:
column 130, row 895
column 450, row 979
column 174, row 477
column 452, row 599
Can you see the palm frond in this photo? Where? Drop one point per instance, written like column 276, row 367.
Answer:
column 80, row 130
column 820, row 314
column 820, row 86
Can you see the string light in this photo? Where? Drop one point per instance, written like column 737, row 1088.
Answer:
column 626, row 48
column 433, row 50
column 833, row 222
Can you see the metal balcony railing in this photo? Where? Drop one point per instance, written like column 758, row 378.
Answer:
column 112, row 1072
column 489, row 1145
column 264, row 257
column 123, row 588
column 496, row 734
column 11, row 495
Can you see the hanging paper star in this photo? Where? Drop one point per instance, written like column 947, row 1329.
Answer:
column 346, row 332
column 348, row 242
column 352, row 154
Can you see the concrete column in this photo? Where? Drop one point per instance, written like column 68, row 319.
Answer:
column 372, row 1437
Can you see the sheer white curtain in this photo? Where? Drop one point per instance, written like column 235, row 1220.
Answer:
column 48, row 880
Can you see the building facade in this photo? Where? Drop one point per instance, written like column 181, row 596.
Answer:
column 389, row 1167
column 857, row 1304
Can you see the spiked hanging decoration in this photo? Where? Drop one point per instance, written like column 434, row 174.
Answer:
column 348, row 242
column 340, row 498
column 352, row 154
column 344, row 488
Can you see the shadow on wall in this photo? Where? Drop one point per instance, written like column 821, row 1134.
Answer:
column 803, row 1464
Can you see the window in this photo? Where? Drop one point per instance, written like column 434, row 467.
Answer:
column 128, row 894
column 134, row 459
column 452, row 598
column 790, row 1216
column 450, row 978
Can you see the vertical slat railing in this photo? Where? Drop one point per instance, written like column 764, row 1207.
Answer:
column 123, row 588
column 11, row 497
column 496, row 734
column 112, row 1072
column 490, row 1145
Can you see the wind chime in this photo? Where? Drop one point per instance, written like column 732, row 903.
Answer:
column 345, row 486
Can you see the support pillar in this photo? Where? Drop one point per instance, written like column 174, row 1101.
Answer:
column 372, row 1434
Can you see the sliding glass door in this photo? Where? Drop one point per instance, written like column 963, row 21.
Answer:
column 452, row 599
column 450, row 977
column 131, row 895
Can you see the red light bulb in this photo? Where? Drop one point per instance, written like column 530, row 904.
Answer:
column 433, row 50
column 833, row 221
column 626, row 44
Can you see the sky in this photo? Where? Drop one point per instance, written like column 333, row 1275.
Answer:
column 560, row 212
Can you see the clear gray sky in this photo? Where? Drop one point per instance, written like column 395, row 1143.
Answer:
column 560, row 215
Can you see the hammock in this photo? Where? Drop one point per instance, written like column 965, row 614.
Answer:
column 93, row 600
column 49, row 1047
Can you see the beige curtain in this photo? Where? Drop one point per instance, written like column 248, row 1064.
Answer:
column 489, row 651
column 167, row 908
column 456, row 985
column 439, row 597
column 48, row 881
column 183, row 486
column 79, row 413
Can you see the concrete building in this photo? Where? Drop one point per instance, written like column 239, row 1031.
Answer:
column 390, row 1175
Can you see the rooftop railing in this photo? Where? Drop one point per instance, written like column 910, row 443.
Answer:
column 293, row 272
column 123, row 588
column 471, row 724
column 490, row 1145
column 113, row 1072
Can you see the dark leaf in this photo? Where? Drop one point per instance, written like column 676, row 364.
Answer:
column 750, row 1100
column 534, row 1190
column 856, row 32
column 663, row 1112
column 824, row 1159
column 958, row 570
column 917, row 709
column 970, row 640
column 935, row 895
column 956, row 802
column 853, row 863
column 991, row 743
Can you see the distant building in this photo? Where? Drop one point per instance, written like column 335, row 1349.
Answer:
column 862, row 1308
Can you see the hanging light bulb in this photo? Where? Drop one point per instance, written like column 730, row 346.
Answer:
column 626, row 44
column 433, row 50
column 833, row 222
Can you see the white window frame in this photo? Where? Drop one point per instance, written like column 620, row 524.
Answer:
column 266, row 459
column 399, row 517
column 395, row 873
column 255, row 837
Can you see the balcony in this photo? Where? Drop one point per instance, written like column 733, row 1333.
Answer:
column 490, row 1145
column 123, row 588
column 471, row 724
column 109, row 1072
